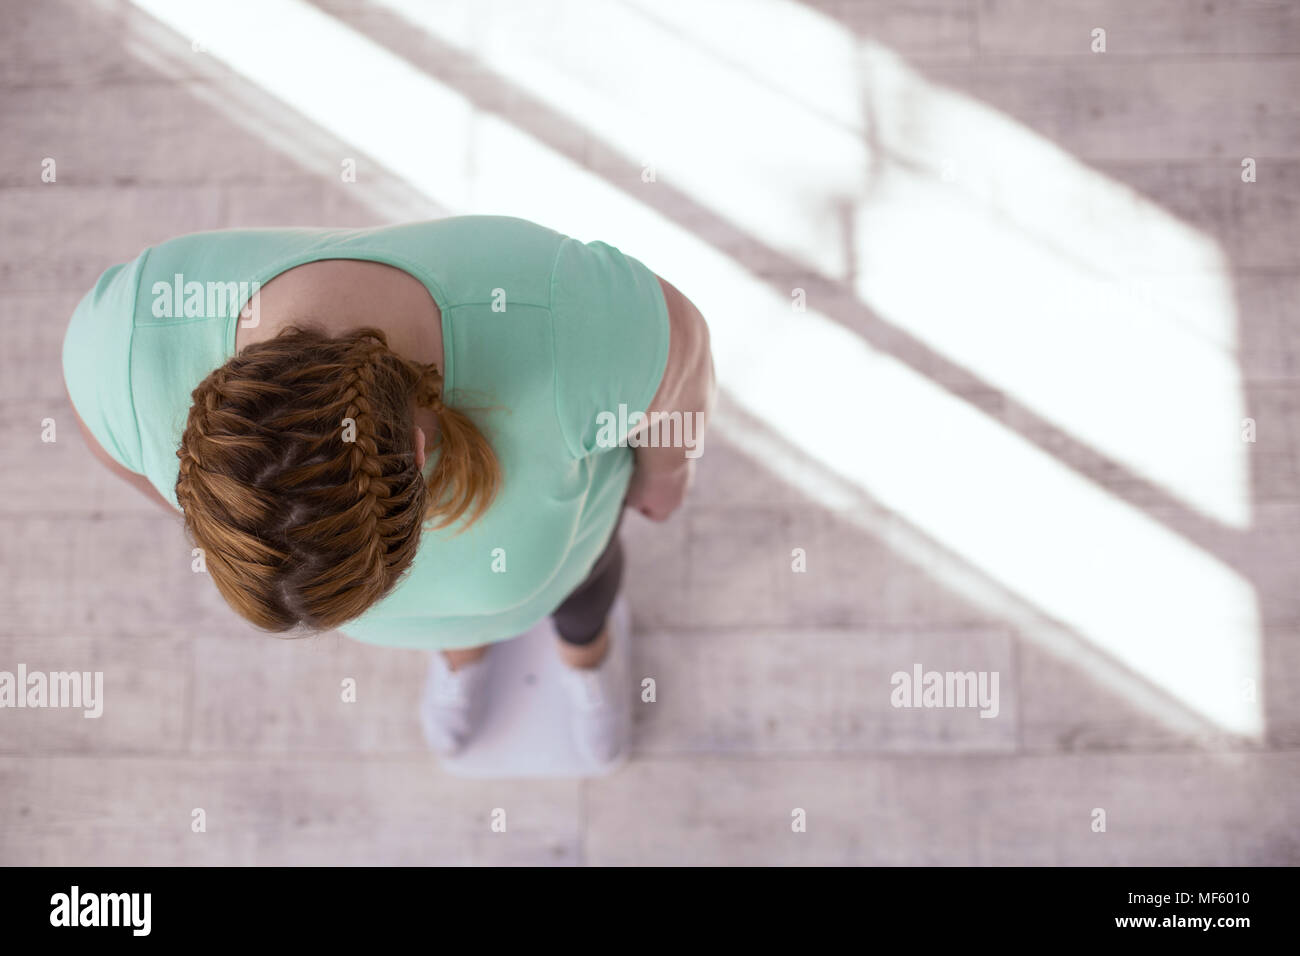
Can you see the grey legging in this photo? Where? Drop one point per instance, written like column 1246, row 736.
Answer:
column 582, row 615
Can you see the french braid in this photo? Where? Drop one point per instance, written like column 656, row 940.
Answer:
column 298, row 475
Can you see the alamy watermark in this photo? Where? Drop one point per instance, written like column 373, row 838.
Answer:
column 622, row 429
column 75, row 908
column 207, row 300
column 922, row 688
column 84, row 689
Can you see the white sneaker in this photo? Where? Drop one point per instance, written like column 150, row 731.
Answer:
column 598, row 698
column 452, row 703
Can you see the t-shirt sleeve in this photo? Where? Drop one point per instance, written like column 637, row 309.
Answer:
column 611, row 342
column 97, row 364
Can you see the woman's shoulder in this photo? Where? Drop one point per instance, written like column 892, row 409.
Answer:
column 477, row 260
column 490, row 228
column 96, row 358
column 151, row 329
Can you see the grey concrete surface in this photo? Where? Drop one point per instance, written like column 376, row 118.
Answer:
column 772, row 687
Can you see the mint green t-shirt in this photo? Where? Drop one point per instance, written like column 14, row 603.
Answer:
column 541, row 334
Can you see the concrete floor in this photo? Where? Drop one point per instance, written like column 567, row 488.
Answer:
column 773, row 687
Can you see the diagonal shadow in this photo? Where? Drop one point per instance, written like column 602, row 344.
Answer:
column 913, row 353
column 836, row 298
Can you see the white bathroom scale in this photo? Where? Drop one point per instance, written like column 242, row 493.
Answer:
column 525, row 729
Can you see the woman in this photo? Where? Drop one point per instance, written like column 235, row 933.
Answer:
column 422, row 435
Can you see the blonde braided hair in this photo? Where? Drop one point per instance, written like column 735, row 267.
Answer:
column 299, row 524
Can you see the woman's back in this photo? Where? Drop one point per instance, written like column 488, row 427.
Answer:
column 540, row 335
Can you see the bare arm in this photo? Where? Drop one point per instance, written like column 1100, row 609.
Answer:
column 130, row 477
column 663, row 474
